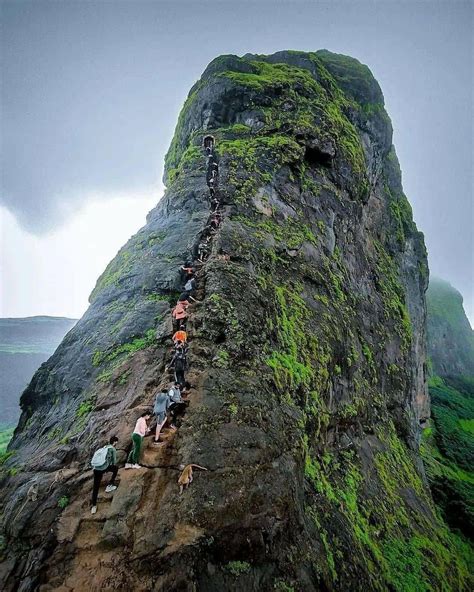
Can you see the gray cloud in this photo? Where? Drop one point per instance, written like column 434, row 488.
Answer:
column 91, row 92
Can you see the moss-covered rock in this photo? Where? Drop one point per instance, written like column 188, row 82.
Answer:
column 307, row 357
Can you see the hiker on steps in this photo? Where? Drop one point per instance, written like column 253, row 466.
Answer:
column 160, row 408
column 187, row 271
column 104, row 461
column 180, row 315
column 204, row 248
column 190, row 285
column 214, row 203
column 179, row 363
column 180, row 335
column 140, row 431
column 177, row 404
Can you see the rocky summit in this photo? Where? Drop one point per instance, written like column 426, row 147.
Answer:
column 306, row 364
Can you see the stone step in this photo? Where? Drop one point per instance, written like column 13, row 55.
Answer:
column 89, row 533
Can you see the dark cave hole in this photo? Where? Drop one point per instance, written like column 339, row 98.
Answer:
column 220, row 338
column 315, row 157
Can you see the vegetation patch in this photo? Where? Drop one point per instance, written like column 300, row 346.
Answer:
column 237, row 568
column 137, row 344
column 63, row 502
column 5, row 437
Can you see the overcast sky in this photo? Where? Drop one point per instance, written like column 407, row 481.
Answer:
column 90, row 94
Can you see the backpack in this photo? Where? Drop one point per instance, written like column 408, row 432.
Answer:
column 100, row 458
column 180, row 354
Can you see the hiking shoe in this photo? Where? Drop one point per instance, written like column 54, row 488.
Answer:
column 110, row 488
column 93, row 509
column 136, row 466
column 128, row 466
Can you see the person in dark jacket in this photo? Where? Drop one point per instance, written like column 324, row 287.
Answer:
column 109, row 466
column 179, row 363
column 177, row 404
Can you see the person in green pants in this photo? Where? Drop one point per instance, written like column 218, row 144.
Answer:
column 140, row 431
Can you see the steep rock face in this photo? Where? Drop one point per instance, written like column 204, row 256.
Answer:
column 307, row 362
column 450, row 337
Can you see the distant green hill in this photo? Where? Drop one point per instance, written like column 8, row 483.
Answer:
column 450, row 337
column 33, row 335
column 448, row 445
column 25, row 343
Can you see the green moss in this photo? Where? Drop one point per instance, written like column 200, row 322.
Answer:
column 265, row 76
column 292, row 363
column 123, row 378
column 222, row 359
column 5, row 437
column 63, row 502
column 403, row 215
column 105, row 376
column 393, row 296
column 282, row 586
column 176, row 149
column 315, row 474
column 55, row 433
column 237, row 568
column 137, row 344
column 292, row 232
column 97, row 358
column 4, row 456
column 86, row 407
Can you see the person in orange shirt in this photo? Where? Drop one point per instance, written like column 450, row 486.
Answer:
column 180, row 335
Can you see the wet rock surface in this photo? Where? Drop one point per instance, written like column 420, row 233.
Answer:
column 307, row 358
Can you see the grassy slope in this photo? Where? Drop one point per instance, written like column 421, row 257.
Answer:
column 5, row 436
column 448, row 451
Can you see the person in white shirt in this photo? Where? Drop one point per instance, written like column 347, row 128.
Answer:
column 140, row 431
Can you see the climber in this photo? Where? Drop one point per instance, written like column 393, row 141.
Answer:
column 104, row 461
column 179, row 362
column 214, row 204
column 190, row 285
column 160, row 407
column 177, row 405
column 208, row 143
column 140, row 431
column 188, row 270
column 215, row 221
column 180, row 335
column 180, row 315
column 211, row 172
column 183, row 298
column 203, row 249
